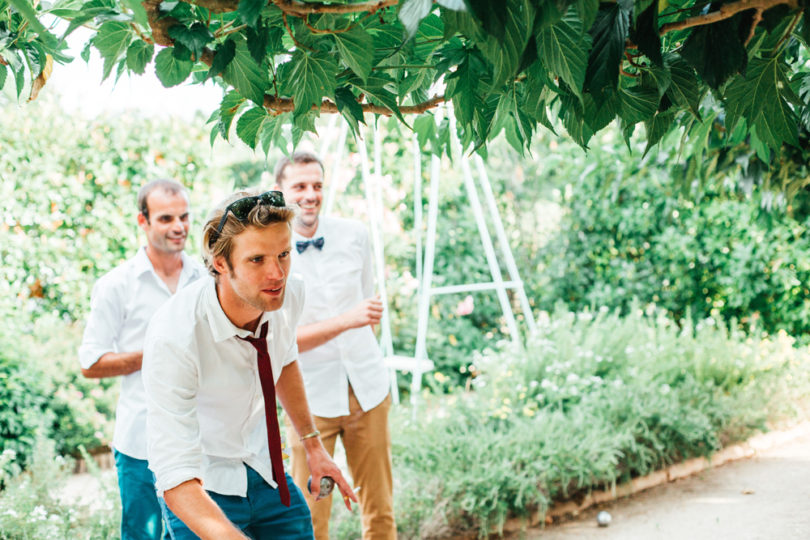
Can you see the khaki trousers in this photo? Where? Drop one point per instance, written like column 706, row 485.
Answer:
column 367, row 440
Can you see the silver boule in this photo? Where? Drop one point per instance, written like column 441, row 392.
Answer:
column 603, row 518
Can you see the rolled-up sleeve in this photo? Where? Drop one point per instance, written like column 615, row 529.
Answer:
column 104, row 323
column 170, row 377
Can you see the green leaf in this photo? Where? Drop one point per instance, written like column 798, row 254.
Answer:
column 194, row 37
column 657, row 127
column 411, row 13
column 638, row 104
column 762, row 97
column 599, row 114
column 428, row 37
column 139, row 54
column 249, row 125
column 645, row 34
column 716, row 51
column 587, row 10
column 222, row 57
column 425, row 128
column 312, row 76
column 170, row 70
column 26, row 9
column 462, row 87
column 257, row 40
column 505, row 56
column 375, row 87
column 356, row 48
column 245, row 75
column 231, row 103
column 684, row 88
column 564, row 50
column 609, row 33
column 249, row 10
column 493, row 16
column 348, row 106
column 112, row 40
column 3, row 76
column 271, row 133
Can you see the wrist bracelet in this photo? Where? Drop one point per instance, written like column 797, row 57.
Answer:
column 311, row 435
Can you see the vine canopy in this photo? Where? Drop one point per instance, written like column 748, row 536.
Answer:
column 727, row 71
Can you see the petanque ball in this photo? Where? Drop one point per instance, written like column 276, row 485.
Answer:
column 603, row 518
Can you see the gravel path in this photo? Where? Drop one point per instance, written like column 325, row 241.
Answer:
column 766, row 497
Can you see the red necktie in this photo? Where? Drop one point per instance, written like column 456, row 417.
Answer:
column 269, row 391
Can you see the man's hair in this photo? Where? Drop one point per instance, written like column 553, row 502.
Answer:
column 260, row 216
column 171, row 187
column 298, row 158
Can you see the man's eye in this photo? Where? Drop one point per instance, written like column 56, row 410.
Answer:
column 257, row 259
column 284, row 254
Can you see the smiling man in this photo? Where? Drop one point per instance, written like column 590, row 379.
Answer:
column 216, row 358
column 122, row 303
column 342, row 364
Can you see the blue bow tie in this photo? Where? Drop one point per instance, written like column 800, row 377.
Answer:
column 302, row 245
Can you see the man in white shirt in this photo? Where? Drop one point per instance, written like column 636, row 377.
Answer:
column 216, row 357
column 122, row 303
column 344, row 373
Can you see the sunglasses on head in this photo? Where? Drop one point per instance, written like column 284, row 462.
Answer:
column 241, row 209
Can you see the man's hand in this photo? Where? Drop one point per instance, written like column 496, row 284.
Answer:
column 367, row 312
column 320, row 465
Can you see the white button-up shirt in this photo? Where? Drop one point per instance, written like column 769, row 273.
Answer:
column 205, row 407
column 337, row 278
column 122, row 303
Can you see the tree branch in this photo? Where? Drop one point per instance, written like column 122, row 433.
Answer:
column 291, row 7
column 299, row 9
column 282, row 105
column 756, row 20
column 726, row 11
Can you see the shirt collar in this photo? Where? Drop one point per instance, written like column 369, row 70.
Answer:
column 221, row 326
column 142, row 263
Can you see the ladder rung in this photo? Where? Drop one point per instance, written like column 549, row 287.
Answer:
column 408, row 363
column 476, row 287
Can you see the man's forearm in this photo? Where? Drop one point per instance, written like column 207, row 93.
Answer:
column 114, row 364
column 291, row 394
column 200, row 513
column 316, row 334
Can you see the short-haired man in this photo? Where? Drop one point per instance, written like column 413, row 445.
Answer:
column 216, row 357
column 346, row 380
column 122, row 303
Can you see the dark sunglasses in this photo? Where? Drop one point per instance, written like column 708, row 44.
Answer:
column 241, row 209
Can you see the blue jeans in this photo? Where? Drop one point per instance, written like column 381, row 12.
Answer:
column 260, row 515
column 140, row 510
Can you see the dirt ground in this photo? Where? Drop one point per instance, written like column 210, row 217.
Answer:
column 766, row 497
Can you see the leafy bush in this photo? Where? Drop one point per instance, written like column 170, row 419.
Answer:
column 44, row 394
column 722, row 257
column 594, row 399
column 33, row 504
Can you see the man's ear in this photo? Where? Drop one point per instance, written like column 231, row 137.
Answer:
column 220, row 265
column 142, row 221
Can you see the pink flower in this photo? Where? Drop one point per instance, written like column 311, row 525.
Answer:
column 465, row 307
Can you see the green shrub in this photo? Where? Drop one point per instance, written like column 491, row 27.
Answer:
column 722, row 257
column 44, row 394
column 33, row 504
column 593, row 400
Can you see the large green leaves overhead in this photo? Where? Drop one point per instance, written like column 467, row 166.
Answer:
column 504, row 66
column 763, row 97
column 609, row 33
column 245, row 75
column 311, row 78
column 563, row 48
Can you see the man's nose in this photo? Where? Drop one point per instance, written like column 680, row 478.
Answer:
column 275, row 270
